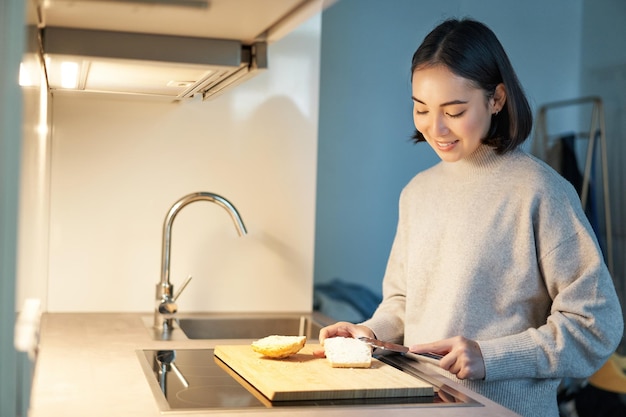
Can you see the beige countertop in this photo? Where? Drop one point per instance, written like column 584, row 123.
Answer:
column 88, row 365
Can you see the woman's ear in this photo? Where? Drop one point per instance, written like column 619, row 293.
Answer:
column 499, row 98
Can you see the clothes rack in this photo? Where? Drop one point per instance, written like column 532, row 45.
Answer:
column 542, row 142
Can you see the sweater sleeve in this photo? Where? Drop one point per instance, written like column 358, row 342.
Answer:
column 387, row 322
column 583, row 328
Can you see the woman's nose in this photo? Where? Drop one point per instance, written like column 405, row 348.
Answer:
column 438, row 126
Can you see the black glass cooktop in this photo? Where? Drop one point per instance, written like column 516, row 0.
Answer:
column 193, row 379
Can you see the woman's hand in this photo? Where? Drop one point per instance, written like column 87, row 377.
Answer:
column 462, row 356
column 342, row 329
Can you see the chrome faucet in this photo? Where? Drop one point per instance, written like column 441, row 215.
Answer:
column 166, row 307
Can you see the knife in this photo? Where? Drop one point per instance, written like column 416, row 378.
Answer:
column 427, row 357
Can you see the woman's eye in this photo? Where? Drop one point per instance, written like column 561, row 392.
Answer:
column 455, row 115
column 421, row 112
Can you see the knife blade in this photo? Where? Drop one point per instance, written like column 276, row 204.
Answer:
column 427, row 357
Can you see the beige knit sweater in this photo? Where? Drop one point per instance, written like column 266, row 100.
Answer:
column 498, row 249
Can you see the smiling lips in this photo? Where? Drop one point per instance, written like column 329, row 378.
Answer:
column 446, row 146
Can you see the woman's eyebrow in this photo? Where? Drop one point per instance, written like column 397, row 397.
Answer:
column 447, row 103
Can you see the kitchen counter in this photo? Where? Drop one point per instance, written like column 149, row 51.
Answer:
column 87, row 365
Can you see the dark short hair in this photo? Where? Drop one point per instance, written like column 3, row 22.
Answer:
column 471, row 50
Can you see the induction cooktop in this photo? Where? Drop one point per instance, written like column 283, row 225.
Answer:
column 193, row 379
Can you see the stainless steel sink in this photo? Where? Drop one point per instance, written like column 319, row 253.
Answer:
column 250, row 327
column 217, row 326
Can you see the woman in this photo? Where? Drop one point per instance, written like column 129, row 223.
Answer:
column 494, row 263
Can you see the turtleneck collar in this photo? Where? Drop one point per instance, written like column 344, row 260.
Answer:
column 483, row 160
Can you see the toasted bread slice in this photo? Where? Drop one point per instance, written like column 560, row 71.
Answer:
column 278, row 347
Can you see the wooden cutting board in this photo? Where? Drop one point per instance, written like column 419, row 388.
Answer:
column 305, row 377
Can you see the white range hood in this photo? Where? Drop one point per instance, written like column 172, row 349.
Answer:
column 171, row 49
column 161, row 66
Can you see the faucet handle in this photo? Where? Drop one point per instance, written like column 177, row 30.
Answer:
column 167, row 308
column 182, row 287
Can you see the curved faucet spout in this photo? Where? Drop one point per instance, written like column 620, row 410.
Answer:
column 165, row 290
column 171, row 215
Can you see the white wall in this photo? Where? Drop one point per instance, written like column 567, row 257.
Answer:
column 32, row 266
column 117, row 165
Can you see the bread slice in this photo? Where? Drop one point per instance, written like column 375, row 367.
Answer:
column 346, row 352
column 278, row 347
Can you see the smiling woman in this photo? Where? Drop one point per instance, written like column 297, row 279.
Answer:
column 458, row 117
column 574, row 49
column 494, row 265
column 474, row 76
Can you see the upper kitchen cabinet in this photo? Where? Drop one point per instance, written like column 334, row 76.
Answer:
column 248, row 21
column 171, row 49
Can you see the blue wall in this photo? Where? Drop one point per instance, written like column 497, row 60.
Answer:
column 365, row 155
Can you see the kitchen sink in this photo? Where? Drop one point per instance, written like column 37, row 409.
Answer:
column 216, row 326
column 250, row 327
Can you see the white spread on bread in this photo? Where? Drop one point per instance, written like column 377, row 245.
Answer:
column 346, row 352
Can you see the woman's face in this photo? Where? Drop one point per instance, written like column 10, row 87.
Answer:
column 452, row 114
